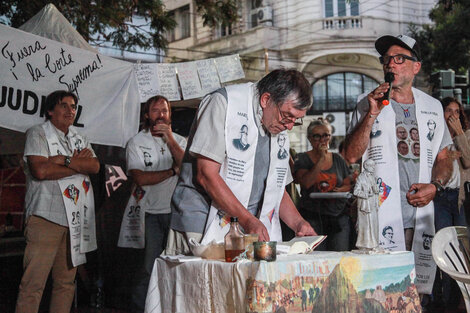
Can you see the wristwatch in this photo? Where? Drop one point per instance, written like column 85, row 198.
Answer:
column 67, row 161
column 438, row 185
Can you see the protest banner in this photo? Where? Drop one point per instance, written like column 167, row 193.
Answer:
column 31, row 67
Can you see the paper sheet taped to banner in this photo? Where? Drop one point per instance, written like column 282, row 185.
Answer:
column 196, row 78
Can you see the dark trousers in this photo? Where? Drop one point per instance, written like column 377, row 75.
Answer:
column 447, row 213
column 337, row 228
column 156, row 233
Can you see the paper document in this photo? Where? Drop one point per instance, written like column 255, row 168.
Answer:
column 300, row 245
column 180, row 258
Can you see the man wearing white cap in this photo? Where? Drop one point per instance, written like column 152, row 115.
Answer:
column 408, row 179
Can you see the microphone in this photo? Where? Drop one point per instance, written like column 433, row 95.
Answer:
column 389, row 78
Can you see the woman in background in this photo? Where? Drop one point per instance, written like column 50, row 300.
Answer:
column 448, row 205
column 319, row 170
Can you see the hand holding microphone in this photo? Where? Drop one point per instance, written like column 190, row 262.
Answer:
column 389, row 78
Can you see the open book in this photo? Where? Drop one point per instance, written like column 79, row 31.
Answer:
column 300, row 245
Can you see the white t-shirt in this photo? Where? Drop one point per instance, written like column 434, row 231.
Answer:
column 157, row 200
column 43, row 197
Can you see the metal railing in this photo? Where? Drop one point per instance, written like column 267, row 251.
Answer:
column 344, row 22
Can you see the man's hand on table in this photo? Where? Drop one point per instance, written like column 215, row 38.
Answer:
column 304, row 229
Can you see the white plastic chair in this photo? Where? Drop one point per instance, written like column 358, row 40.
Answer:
column 450, row 250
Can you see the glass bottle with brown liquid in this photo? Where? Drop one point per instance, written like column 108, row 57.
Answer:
column 234, row 241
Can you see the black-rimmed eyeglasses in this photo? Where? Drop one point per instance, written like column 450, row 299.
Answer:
column 397, row 58
column 320, row 136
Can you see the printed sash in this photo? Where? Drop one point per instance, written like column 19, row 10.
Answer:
column 132, row 233
column 237, row 170
column 383, row 150
column 77, row 194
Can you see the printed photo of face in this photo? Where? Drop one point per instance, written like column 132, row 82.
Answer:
column 387, row 232
column 147, row 160
column 427, row 241
column 402, row 133
column 431, row 126
column 282, row 153
column 415, row 149
column 78, row 145
column 402, row 148
column 414, row 135
column 375, row 131
column 242, row 142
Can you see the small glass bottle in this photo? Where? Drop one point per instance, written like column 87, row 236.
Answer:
column 234, row 241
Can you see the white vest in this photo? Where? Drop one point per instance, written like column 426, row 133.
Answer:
column 237, row 170
column 383, row 150
column 77, row 194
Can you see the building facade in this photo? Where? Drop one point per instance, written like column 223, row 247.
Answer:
column 330, row 41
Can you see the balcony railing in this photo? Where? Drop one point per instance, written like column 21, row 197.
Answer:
column 344, row 22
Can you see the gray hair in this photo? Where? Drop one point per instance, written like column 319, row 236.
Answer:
column 315, row 123
column 287, row 84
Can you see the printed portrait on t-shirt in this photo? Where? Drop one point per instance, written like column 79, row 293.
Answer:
column 147, row 159
column 414, row 134
column 407, row 136
column 415, row 149
column 402, row 148
column 241, row 143
column 402, row 134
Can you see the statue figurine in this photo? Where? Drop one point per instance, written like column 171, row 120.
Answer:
column 367, row 192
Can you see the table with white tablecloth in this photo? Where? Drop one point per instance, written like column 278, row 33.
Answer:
column 322, row 281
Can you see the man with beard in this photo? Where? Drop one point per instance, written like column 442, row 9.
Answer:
column 165, row 150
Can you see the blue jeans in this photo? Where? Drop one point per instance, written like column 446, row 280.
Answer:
column 446, row 213
column 156, row 233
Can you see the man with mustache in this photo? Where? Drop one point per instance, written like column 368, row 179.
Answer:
column 153, row 160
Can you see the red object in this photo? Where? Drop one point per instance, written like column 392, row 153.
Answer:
column 385, row 102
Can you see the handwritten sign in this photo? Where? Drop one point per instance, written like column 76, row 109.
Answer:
column 167, row 81
column 196, row 78
column 229, row 68
column 31, row 67
column 147, row 80
column 208, row 75
column 189, row 80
